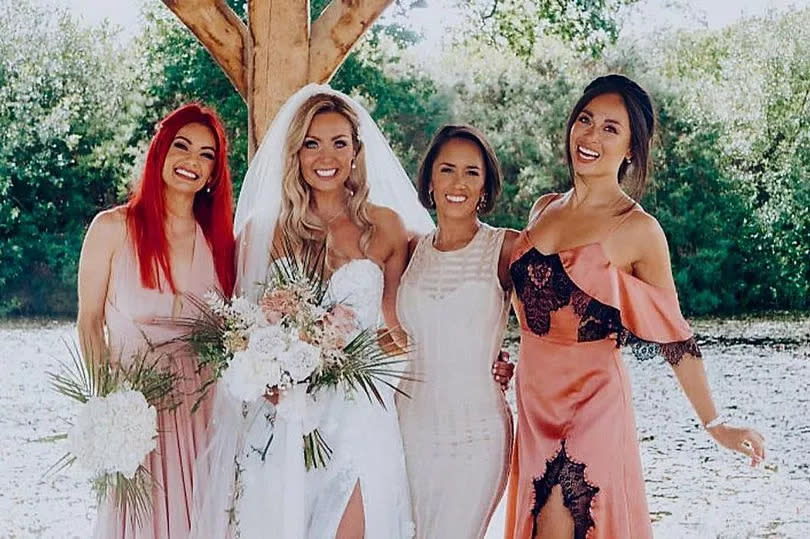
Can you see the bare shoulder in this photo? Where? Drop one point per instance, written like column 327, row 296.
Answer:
column 387, row 221
column 540, row 204
column 644, row 231
column 109, row 227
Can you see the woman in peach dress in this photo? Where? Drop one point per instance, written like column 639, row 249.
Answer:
column 173, row 237
column 591, row 272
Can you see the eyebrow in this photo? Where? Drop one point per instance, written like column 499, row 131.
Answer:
column 607, row 120
column 187, row 141
column 468, row 167
column 333, row 138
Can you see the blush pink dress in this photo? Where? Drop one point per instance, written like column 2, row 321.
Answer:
column 576, row 426
column 131, row 317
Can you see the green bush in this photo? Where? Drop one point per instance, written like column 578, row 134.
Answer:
column 65, row 109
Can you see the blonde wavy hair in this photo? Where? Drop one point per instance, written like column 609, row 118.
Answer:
column 298, row 223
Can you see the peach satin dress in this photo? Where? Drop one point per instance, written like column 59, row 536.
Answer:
column 131, row 314
column 576, row 426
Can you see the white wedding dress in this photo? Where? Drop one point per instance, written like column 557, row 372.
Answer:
column 249, row 497
column 364, row 436
column 237, row 492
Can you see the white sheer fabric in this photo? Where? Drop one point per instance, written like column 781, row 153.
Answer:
column 240, row 495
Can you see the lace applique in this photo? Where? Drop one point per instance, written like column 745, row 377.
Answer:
column 543, row 286
column 672, row 352
column 577, row 492
column 599, row 321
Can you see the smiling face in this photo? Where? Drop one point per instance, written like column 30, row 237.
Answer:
column 190, row 160
column 327, row 152
column 457, row 178
column 600, row 137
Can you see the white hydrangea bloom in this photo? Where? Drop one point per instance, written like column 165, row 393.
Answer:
column 249, row 374
column 114, row 433
column 270, row 341
column 300, row 360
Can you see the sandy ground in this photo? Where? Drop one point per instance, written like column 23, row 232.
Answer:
column 695, row 489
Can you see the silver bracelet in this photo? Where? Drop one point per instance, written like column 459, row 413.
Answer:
column 720, row 419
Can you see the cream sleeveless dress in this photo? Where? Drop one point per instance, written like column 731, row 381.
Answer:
column 456, row 427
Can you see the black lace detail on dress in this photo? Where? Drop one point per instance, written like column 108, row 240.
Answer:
column 543, row 286
column 577, row 492
column 599, row 321
column 673, row 352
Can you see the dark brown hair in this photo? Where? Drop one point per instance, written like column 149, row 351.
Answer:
column 639, row 106
column 492, row 167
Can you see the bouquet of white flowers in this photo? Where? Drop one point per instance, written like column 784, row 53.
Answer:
column 291, row 336
column 116, row 426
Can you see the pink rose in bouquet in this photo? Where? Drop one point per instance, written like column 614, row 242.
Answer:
column 278, row 304
column 338, row 324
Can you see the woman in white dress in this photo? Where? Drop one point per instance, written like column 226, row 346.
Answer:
column 453, row 302
column 323, row 173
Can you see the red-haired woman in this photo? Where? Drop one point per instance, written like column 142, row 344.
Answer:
column 173, row 237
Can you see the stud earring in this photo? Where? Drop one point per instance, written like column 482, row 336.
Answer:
column 482, row 202
column 208, row 189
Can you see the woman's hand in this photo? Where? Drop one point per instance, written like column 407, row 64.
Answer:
column 741, row 439
column 503, row 369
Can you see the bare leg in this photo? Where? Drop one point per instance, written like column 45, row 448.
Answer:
column 554, row 520
column 353, row 523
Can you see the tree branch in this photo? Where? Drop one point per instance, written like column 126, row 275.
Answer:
column 336, row 31
column 221, row 31
column 278, row 61
column 492, row 11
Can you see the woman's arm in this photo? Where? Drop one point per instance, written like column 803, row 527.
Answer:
column 106, row 233
column 391, row 228
column 653, row 267
column 506, row 258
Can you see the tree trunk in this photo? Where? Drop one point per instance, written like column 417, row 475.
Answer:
column 275, row 54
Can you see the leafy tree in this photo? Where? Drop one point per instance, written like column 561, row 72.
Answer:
column 402, row 101
column 65, row 105
column 752, row 81
column 589, row 26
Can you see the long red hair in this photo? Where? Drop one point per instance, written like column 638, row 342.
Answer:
column 213, row 206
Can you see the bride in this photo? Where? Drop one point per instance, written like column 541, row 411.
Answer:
column 324, row 172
